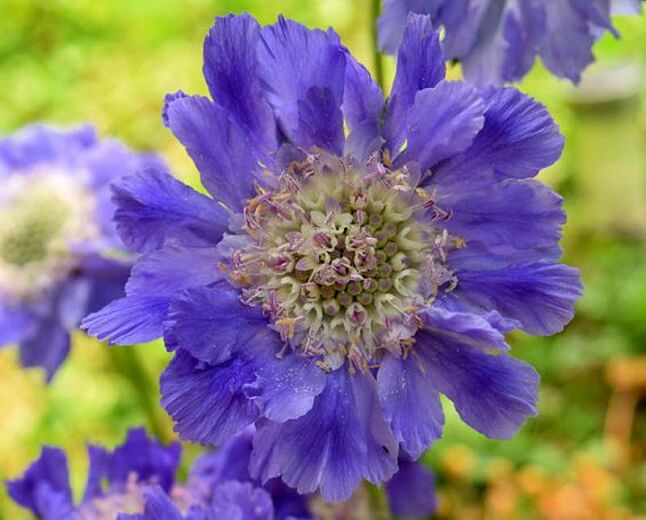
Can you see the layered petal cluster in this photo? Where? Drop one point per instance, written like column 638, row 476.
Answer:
column 352, row 260
column 116, row 480
column 136, row 481
column 60, row 255
column 497, row 41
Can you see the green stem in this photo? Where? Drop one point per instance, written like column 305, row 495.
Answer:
column 374, row 35
column 379, row 507
column 129, row 365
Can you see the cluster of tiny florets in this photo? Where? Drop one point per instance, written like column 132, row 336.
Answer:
column 341, row 258
column 130, row 499
column 40, row 219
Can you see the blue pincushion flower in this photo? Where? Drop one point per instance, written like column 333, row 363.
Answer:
column 353, row 260
column 116, row 480
column 136, row 481
column 498, row 41
column 60, row 256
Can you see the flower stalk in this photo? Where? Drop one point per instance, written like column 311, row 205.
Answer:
column 127, row 362
column 375, row 10
column 378, row 500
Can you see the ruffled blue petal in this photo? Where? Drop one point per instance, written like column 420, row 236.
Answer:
column 110, row 159
column 135, row 319
column 71, row 302
column 99, row 459
column 343, row 439
column 229, row 462
column 319, row 120
column 363, row 142
column 567, row 47
column 521, row 214
column 107, row 161
column 474, row 36
column 411, row 492
column 106, row 279
column 476, row 330
column 40, row 143
column 303, row 72
column 522, row 28
column 410, row 403
column 169, row 99
column 417, row 421
column 212, row 323
column 156, row 279
column 286, row 386
column 164, row 272
column 154, row 208
column 47, row 346
column 44, row 488
column 16, row 322
column 626, row 7
column 139, row 455
column 518, row 140
column 220, row 149
column 208, row 403
column 420, row 65
column 145, row 457
column 492, row 392
column 443, row 122
column 231, row 71
column 392, row 22
column 363, row 104
column 539, row 295
column 241, row 501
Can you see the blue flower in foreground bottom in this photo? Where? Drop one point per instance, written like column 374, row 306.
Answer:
column 60, row 255
column 498, row 40
column 137, row 482
column 336, row 284
column 116, row 481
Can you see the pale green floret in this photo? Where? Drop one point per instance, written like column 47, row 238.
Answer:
column 28, row 230
column 130, row 499
column 40, row 215
column 338, row 259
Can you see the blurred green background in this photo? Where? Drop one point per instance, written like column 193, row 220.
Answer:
column 69, row 61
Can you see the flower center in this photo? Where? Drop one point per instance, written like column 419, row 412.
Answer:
column 341, row 258
column 130, row 500
column 40, row 216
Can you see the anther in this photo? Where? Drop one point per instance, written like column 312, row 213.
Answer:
column 375, row 220
column 391, row 248
column 331, row 307
column 354, row 288
column 344, row 299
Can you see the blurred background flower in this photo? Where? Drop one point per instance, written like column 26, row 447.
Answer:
column 498, row 40
column 60, row 256
column 112, row 62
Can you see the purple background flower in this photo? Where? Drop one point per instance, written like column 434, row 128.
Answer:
column 136, row 481
column 49, row 174
column 497, row 41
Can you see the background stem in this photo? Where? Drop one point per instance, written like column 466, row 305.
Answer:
column 379, row 506
column 127, row 362
column 375, row 10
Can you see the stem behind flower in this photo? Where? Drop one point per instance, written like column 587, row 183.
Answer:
column 375, row 9
column 127, row 362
